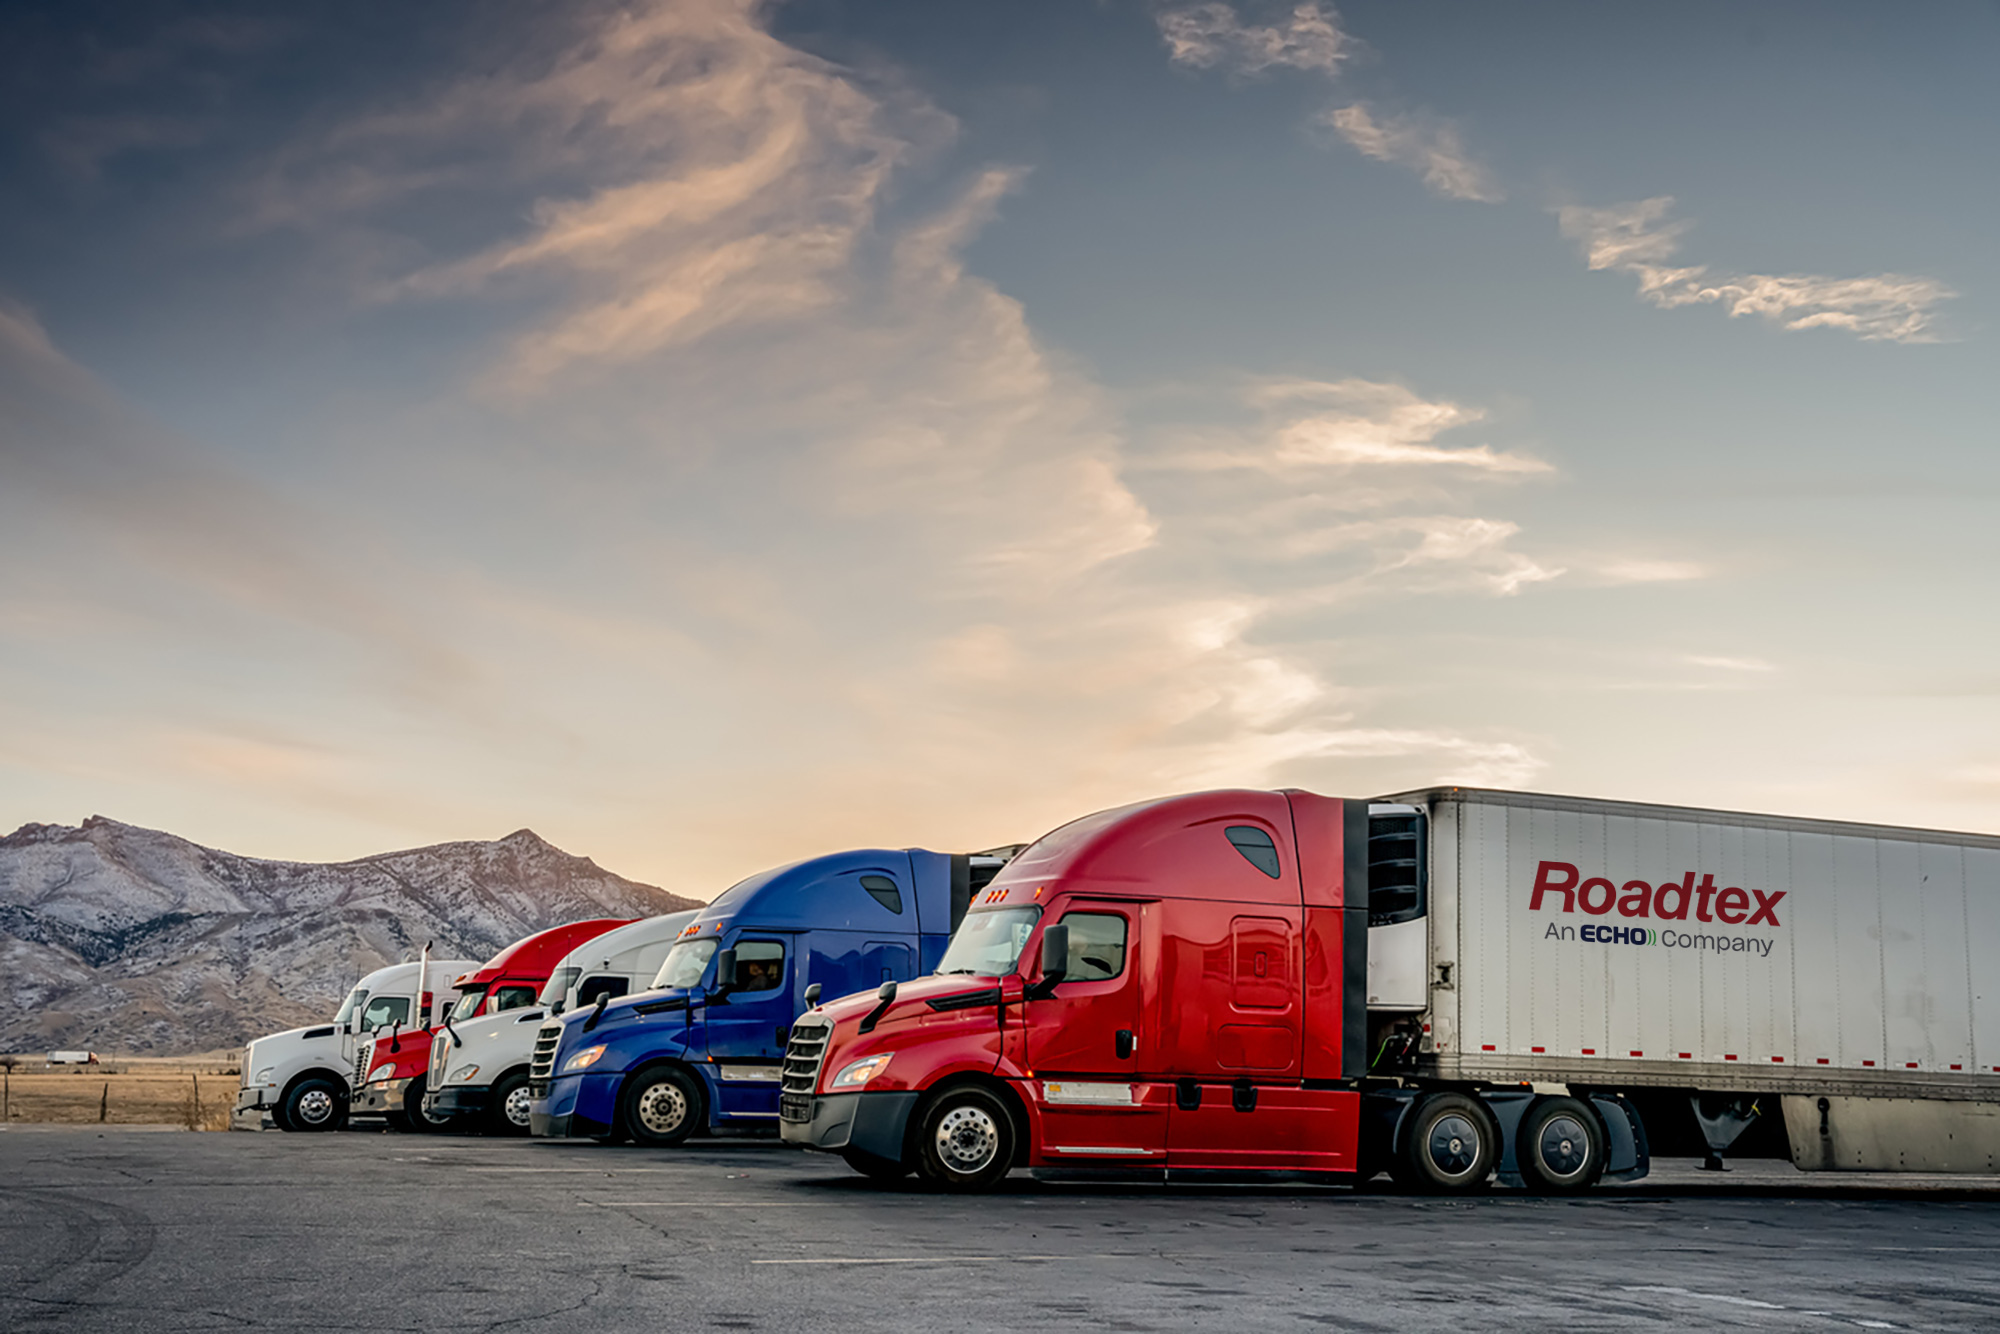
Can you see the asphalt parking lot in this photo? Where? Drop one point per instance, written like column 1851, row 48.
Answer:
column 165, row 1230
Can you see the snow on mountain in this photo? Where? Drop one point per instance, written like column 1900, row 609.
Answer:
column 126, row 939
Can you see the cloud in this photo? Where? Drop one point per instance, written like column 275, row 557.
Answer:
column 1643, row 571
column 1365, row 424
column 1721, row 664
column 1210, row 35
column 1640, row 239
column 1429, row 147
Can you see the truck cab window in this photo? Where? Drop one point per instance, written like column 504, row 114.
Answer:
column 884, row 891
column 559, row 984
column 1256, row 847
column 989, row 943
column 760, row 965
column 468, row 1003
column 355, row 1000
column 383, row 1011
column 511, row 998
column 1096, row 945
column 601, row 985
column 685, row 963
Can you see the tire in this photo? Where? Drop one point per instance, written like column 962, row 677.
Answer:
column 312, row 1105
column 965, row 1140
column 661, row 1107
column 414, row 1116
column 507, row 1106
column 1560, row 1147
column 873, row 1167
column 1449, row 1146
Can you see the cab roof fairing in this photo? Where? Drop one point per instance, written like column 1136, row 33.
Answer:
column 538, row 954
column 1169, row 847
column 825, row 893
column 593, row 953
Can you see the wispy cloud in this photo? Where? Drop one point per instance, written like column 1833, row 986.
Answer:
column 1213, row 35
column 1722, row 664
column 1428, row 146
column 1642, row 240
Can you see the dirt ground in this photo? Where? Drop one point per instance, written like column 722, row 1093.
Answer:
column 126, row 1092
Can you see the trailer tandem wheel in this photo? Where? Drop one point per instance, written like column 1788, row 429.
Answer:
column 1560, row 1147
column 1449, row 1145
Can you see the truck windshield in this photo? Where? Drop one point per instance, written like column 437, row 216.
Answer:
column 468, row 1003
column 685, row 964
column 351, row 1004
column 989, row 943
column 559, row 984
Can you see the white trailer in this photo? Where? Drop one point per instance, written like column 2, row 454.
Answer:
column 1841, row 972
column 479, row 1066
column 73, row 1058
column 299, row 1078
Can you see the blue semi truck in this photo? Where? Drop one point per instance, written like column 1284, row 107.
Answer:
column 703, row 1048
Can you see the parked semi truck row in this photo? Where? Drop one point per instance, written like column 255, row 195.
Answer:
column 479, row 1066
column 1446, row 984
column 300, row 1078
column 391, row 1066
column 702, row 1048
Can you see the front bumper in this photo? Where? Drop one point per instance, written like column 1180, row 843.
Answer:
column 458, row 1100
column 380, row 1098
column 251, row 1099
column 874, row 1123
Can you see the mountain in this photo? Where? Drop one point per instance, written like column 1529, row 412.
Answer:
column 130, row 940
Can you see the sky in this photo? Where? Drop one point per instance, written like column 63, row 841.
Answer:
column 713, row 432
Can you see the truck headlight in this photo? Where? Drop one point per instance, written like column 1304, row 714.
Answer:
column 584, row 1059
column 385, row 1072
column 264, row 1075
column 860, row 1072
column 463, row 1073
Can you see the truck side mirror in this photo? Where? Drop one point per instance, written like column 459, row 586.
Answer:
column 1055, row 959
column 812, row 995
column 725, row 973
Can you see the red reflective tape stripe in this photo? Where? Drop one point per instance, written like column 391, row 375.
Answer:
column 1486, row 1047
column 1590, row 1051
column 1868, row 1062
column 1729, row 1058
column 1538, row 1049
column 1638, row 1053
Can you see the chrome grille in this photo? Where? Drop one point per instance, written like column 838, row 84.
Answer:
column 542, row 1064
column 441, row 1045
column 800, row 1076
column 364, row 1053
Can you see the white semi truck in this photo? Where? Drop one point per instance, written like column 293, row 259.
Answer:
column 1740, row 967
column 479, row 1066
column 299, row 1078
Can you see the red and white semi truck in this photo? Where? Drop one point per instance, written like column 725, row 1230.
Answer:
column 1443, row 984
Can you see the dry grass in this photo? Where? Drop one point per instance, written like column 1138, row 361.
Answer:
column 136, row 1095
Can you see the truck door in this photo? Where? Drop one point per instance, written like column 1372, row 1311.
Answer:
column 744, row 1028
column 1087, row 1050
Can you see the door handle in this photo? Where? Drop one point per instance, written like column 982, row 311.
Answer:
column 1126, row 1042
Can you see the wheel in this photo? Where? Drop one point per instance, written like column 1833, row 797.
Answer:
column 1560, row 1147
column 662, row 1106
column 874, row 1167
column 414, row 1115
column 966, row 1140
column 507, row 1107
column 1449, row 1145
column 313, row 1104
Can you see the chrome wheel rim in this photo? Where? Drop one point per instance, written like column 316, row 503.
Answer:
column 1564, row 1146
column 662, row 1108
column 516, row 1106
column 968, row 1139
column 1453, row 1144
column 315, row 1107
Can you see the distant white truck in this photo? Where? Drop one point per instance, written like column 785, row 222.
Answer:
column 479, row 1066
column 72, row 1058
column 300, row 1077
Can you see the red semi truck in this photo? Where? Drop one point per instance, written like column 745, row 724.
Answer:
column 1444, row 985
column 391, row 1070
